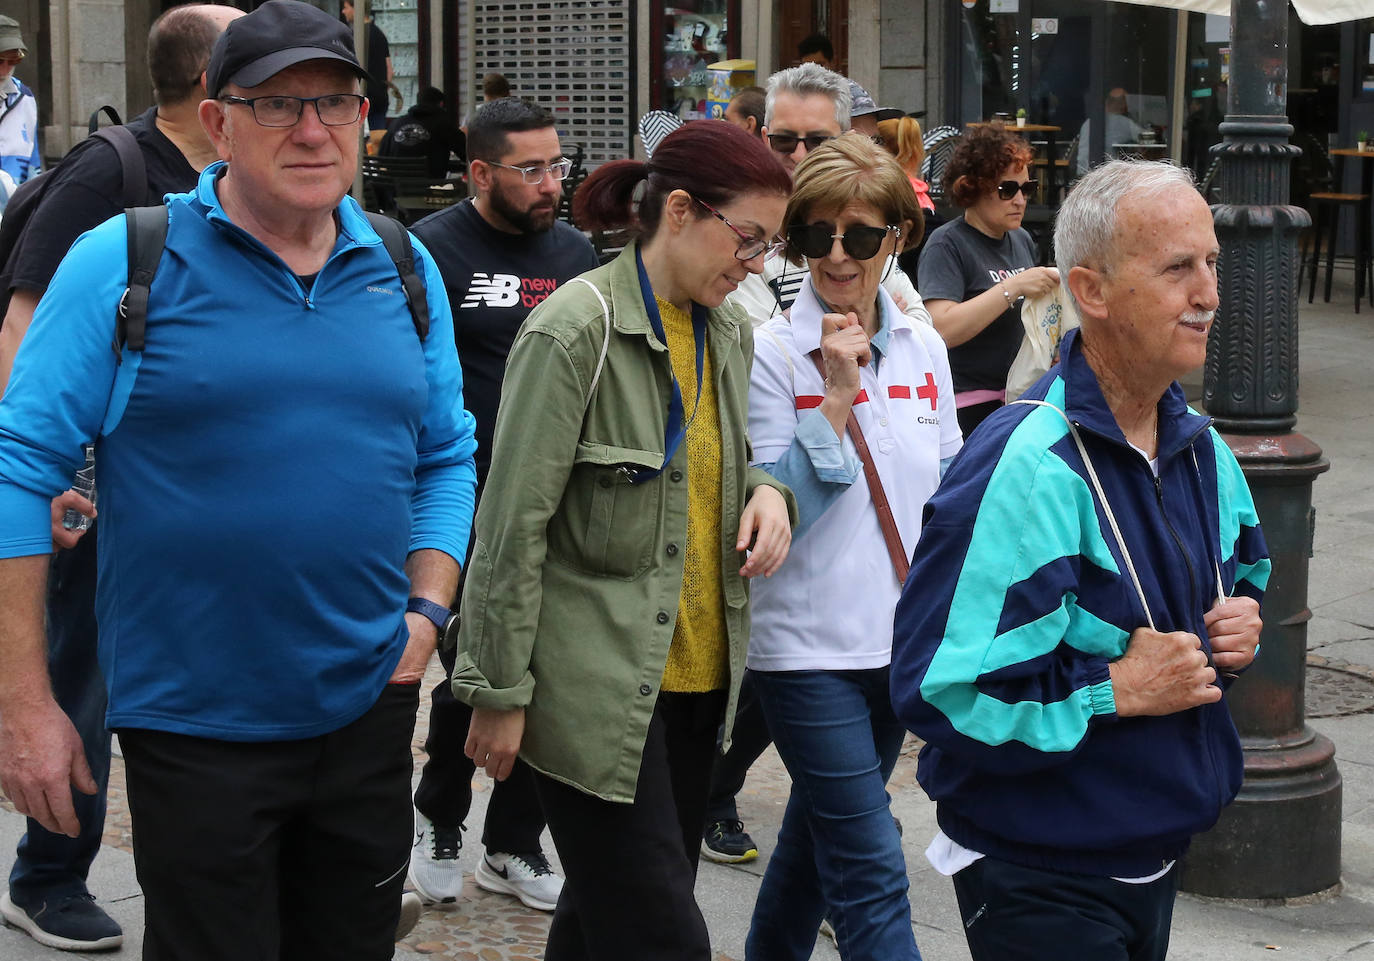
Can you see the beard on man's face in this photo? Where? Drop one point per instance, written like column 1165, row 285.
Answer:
column 533, row 219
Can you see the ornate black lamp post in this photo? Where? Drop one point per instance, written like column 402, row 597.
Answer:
column 1282, row 836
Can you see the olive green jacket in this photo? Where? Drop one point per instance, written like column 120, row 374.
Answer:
column 572, row 590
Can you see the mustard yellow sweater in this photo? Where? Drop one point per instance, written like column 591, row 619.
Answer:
column 698, row 659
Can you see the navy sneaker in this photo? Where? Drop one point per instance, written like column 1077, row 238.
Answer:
column 726, row 842
column 72, row 923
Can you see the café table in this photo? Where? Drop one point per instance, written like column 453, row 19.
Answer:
column 1362, row 250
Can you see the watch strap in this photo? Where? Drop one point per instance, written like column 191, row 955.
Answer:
column 437, row 613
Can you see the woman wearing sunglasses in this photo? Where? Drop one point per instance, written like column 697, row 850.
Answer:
column 606, row 603
column 975, row 270
column 847, row 364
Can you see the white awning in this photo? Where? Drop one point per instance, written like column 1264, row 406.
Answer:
column 1311, row 11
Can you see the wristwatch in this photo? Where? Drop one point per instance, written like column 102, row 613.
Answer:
column 444, row 619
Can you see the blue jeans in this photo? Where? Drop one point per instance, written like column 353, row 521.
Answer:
column 839, row 855
column 48, row 865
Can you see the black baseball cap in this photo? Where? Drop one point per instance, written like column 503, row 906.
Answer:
column 277, row 35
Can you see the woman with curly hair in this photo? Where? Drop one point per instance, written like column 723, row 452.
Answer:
column 975, row 270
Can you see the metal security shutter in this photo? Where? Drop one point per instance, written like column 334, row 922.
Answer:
column 572, row 56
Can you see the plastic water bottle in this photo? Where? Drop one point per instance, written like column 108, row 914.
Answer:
column 83, row 484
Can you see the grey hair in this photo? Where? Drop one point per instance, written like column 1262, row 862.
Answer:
column 805, row 80
column 1085, row 228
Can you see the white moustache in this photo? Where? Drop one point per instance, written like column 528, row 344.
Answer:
column 1198, row 317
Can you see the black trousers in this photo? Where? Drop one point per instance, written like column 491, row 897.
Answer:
column 274, row 851
column 631, row 868
column 514, row 820
column 749, row 739
column 1016, row 913
column 974, row 414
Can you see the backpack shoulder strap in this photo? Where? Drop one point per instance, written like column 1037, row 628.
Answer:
column 147, row 231
column 134, row 189
column 605, row 340
column 396, row 239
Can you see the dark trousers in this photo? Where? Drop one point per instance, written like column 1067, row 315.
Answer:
column 631, row 868
column 46, row 865
column 1016, row 913
column 749, row 740
column 274, row 851
column 514, row 819
column 974, row 414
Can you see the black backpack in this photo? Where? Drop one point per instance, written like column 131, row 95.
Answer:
column 147, row 230
column 27, row 198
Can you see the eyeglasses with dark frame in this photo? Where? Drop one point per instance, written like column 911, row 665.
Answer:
column 1009, row 188
column 535, row 173
column 334, row 109
column 785, row 143
column 749, row 245
column 859, row 241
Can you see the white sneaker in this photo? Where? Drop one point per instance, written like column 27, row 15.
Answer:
column 527, row 876
column 411, row 907
column 434, row 872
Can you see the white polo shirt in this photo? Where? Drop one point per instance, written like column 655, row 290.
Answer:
column 830, row 605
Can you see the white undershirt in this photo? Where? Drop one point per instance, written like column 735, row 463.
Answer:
column 949, row 857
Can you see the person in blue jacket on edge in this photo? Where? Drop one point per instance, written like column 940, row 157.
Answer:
column 1086, row 586
column 286, row 482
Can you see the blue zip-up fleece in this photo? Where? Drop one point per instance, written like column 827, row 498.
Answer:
column 263, row 469
column 1018, row 600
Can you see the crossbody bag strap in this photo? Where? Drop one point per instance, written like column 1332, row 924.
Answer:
column 901, row 564
column 1106, row 505
column 605, row 342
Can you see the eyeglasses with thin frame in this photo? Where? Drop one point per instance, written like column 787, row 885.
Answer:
column 858, row 241
column 334, row 109
column 785, row 143
column 1009, row 188
column 749, row 245
column 535, row 173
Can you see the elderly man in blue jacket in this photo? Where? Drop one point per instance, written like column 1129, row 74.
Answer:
column 1086, row 586
column 286, row 487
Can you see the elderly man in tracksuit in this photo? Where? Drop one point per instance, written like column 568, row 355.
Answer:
column 1086, row 585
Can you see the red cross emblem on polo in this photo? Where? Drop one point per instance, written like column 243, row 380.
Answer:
column 928, row 392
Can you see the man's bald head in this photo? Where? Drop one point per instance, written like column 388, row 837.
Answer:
column 179, row 46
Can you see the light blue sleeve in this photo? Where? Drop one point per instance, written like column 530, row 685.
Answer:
column 816, row 468
column 445, row 475
column 60, row 388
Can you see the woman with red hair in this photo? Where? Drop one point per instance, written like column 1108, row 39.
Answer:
column 975, row 270
column 608, row 588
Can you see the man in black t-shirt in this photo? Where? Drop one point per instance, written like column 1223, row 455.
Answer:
column 500, row 254
column 47, row 894
column 426, row 131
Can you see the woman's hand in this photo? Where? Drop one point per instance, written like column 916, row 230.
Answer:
column 765, row 531
column 844, row 349
column 494, row 739
column 1032, row 282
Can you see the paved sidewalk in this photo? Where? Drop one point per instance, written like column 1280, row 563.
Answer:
column 1337, row 353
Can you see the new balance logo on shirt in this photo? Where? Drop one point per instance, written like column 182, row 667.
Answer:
column 507, row 290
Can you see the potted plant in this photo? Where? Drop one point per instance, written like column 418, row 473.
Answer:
column 1362, row 139
column 1021, row 117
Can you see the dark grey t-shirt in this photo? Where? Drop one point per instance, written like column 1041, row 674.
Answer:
column 958, row 263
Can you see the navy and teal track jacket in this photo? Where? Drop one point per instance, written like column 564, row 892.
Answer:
column 1017, row 601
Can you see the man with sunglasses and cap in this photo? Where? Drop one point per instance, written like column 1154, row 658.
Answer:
column 805, row 106
column 19, row 157
column 287, row 482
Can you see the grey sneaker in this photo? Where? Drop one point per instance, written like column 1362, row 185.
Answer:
column 526, row 876
column 434, row 872
column 72, row 923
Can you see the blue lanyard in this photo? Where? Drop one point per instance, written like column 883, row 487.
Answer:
column 675, row 429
